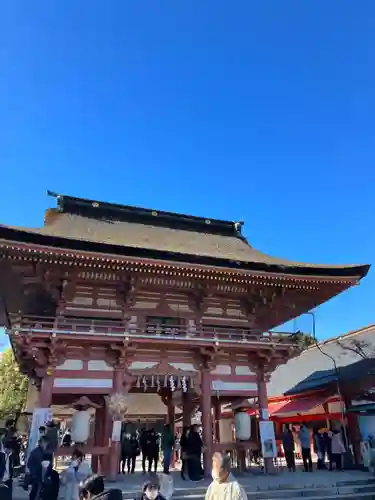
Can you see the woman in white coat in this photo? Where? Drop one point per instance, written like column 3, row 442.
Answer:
column 77, row 472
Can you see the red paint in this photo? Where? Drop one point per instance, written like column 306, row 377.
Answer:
column 299, row 406
column 206, row 419
column 81, row 390
column 83, row 374
column 45, row 395
column 307, row 418
column 250, row 379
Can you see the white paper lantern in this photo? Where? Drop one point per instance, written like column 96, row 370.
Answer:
column 225, row 429
column 242, row 422
column 80, row 426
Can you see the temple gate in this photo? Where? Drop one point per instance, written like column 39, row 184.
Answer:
column 107, row 299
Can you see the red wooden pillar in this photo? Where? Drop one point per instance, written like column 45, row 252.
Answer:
column 263, row 412
column 171, row 422
column 115, row 448
column 45, row 395
column 206, row 420
column 217, row 415
column 98, row 439
column 186, row 409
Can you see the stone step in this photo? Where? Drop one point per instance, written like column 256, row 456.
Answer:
column 355, row 490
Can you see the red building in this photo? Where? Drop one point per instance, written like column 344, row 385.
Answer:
column 106, row 298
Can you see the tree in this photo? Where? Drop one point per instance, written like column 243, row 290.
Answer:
column 305, row 340
column 13, row 386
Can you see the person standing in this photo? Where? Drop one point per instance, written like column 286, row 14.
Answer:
column 304, row 438
column 224, row 486
column 7, row 475
column 76, row 473
column 337, row 450
column 143, row 443
column 288, row 445
column 167, row 442
column 125, row 452
column 35, row 467
column 195, row 446
column 152, row 450
column 320, row 449
column 133, row 452
column 184, row 441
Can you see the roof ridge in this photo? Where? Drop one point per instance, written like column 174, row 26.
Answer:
column 129, row 213
column 331, row 340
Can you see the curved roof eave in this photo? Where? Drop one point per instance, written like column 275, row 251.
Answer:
column 31, row 237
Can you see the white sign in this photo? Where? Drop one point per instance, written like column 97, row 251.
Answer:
column 116, row 431
column 40, row 417
column 267, row 439
column 265, row 414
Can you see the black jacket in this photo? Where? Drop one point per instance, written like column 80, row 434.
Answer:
column 34, row 464
column 144, row 497
column 5, row 493
column 194, row 443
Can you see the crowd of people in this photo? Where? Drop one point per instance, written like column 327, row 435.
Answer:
column 327, row 443
column 42, row 481
column 188, row 447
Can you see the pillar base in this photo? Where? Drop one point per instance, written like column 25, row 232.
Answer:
column 114, row 456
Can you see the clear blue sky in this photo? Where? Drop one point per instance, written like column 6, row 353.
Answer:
column 257, row 110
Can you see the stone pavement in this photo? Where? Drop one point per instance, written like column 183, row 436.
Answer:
column 318, row 484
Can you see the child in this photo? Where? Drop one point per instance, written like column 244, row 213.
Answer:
column 151, row 489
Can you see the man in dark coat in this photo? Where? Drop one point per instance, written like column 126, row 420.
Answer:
column 152, row 450
column 34, row 466
column 195, row 446
column 143, row 443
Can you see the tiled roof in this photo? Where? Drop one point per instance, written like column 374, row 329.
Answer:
column 312, row 369
column 96, row 222
column 154, row 238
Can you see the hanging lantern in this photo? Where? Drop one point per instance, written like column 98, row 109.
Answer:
column 242, row 423
column 81, row 426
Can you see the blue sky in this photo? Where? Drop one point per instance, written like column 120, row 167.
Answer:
column 255, row 110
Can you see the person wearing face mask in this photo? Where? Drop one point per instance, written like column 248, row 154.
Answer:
column 36, row 468
column 77, row 472
column 151, row 490
column 224, row 486
column 93, row 489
